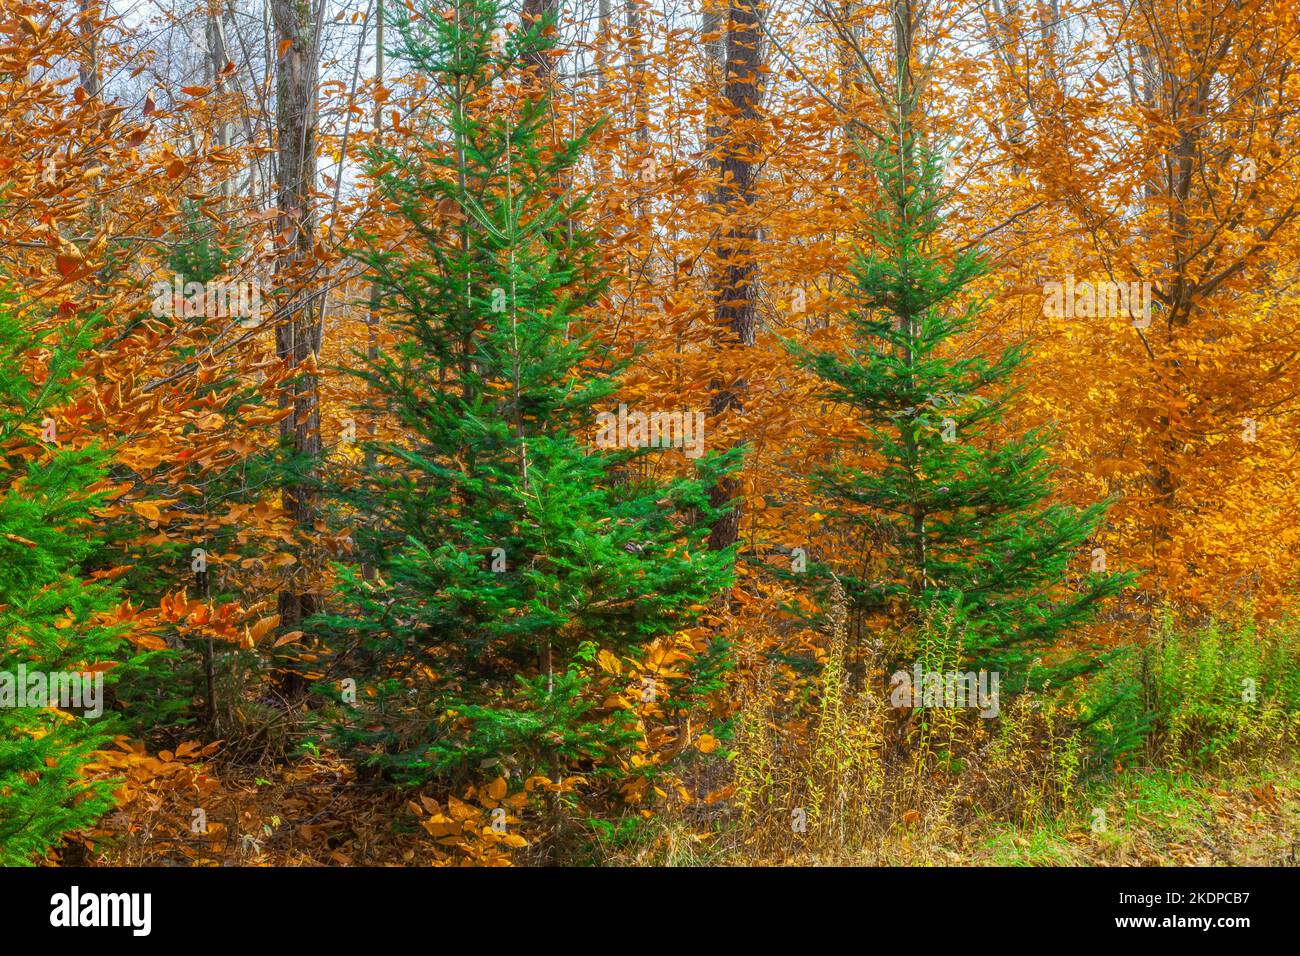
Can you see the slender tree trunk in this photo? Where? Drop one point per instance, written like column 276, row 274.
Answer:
column 217, row 59
column 604, row 11
column 298, row 331
column 372, row 319
column 532, row 13
column 735, row 307
column 637, row 56
column 88, row 68
column 372, row 316
column 902, row 110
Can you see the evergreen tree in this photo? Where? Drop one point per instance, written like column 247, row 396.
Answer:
column 50, row 611
column 500, row 550
column 961, row 506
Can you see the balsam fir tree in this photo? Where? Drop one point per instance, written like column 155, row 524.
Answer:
column 960, row 507
column 52, row 615
column 501, row 550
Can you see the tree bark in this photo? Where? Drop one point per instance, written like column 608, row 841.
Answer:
column 298, row 330
column 533, row 13
column 735, row 306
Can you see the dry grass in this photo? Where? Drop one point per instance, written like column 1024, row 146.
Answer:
column 873, row 783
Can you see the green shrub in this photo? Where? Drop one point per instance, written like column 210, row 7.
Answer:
column 1223, row 692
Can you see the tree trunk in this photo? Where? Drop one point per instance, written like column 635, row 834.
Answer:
column 217, row 59
column 735, row 308
column 298, row 330
column 533, row 13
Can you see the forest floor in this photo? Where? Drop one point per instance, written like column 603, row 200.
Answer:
column 1160, row 818
column 1152, row 817
column 314, row 813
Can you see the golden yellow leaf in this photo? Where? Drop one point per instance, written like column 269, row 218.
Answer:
column 706, row 743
